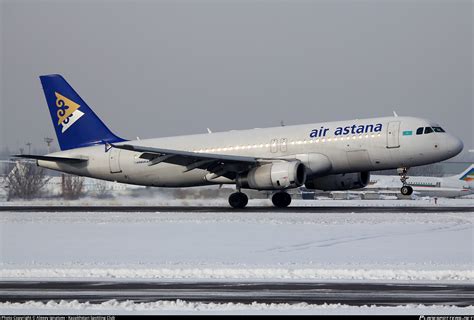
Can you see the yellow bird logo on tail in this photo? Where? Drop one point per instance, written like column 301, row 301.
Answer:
column 68, row 111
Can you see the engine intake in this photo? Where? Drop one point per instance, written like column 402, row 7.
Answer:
column 344, row 181
column 274, row 176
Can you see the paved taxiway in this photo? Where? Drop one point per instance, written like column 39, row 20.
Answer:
column 351, row 293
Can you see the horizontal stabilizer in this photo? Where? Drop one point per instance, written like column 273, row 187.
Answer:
column 50, row 158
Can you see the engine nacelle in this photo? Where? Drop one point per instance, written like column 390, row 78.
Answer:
column 273, row 176
column 344, row 181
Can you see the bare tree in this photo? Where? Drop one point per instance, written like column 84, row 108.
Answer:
column 24, row 180
column 102, row 189
column 71, row 186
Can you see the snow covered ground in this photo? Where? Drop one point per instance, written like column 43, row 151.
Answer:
column 238, row 245
column 244, row 245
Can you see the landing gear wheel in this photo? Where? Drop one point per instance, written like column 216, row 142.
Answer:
column 238, row 200
column 406, row 190
column 281, row 199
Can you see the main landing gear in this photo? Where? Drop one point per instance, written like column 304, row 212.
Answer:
column 281, row 199
column 239, row 200
column 406, row 190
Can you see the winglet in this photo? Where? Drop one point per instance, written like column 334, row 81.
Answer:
column 107, row 146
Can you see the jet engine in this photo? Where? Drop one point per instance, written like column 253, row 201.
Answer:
column 344, row 181
column 276, row 175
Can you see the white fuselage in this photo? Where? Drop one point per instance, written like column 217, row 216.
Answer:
column 343, row 146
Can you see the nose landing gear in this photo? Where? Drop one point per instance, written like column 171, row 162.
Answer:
column 406, row 190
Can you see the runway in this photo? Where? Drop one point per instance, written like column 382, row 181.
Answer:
column 293, row 209
column 383, row 294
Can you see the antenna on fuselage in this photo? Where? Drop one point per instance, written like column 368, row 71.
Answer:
column 395, row 114
column 209, row 130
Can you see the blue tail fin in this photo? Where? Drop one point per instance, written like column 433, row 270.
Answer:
column 75, row 123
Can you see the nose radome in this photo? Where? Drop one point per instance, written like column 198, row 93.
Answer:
column 455, row 145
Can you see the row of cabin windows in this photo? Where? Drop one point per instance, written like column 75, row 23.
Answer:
column 426, row 130
column 283, row 143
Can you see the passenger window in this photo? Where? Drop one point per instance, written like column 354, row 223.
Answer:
column 419, row 130
column 438, row 129
column 428, row 130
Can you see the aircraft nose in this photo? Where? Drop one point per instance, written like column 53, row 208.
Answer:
column 455, row 145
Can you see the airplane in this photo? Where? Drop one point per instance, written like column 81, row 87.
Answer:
column 328, row 156
column 448, row 187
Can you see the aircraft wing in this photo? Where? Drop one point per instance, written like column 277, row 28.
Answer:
column 219, row 164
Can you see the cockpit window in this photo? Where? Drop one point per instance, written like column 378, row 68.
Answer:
column 428, row 130
column 438, row 129
column 419, row 130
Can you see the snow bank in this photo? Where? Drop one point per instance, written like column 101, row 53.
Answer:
column 241, row 274
column 183, row 307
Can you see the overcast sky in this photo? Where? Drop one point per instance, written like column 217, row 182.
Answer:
column 162, row 68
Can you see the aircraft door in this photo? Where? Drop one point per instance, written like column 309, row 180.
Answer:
column 114, row 160
column 393, row 134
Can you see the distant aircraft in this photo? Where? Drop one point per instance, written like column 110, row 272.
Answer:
column 447, row 187
column 327, row 156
